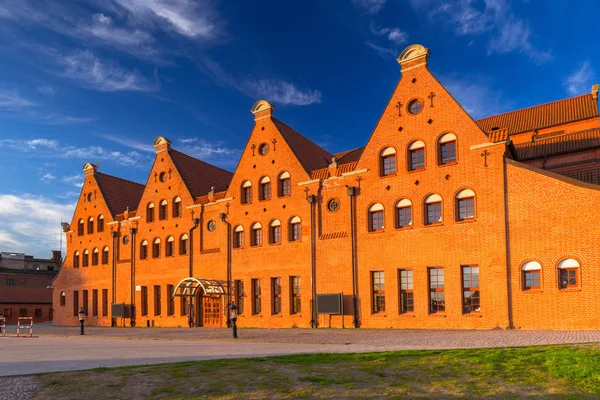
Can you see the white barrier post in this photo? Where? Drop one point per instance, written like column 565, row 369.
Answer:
column 3, row 326
column 25, row 325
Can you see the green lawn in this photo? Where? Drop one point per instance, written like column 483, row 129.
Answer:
column 536, row 372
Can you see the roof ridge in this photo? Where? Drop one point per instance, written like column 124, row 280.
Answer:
column 117, row 177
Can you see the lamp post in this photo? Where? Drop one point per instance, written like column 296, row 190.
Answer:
column 233, row 316
column 81, row 314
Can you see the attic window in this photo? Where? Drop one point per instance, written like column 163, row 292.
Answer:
column 495, row 128
column 163, row 177
column 263, row 149
column 415, row 107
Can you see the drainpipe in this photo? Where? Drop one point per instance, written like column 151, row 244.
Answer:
column 352, row 193
column 312, row 200
column 114, row 236
column 133, row 232
column 223, row 217
column 507, row 241
column 196, row 222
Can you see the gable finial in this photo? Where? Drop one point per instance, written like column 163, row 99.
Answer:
column 411, row 53
column 262, row 109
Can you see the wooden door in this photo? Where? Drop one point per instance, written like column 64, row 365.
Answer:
column 211, row 311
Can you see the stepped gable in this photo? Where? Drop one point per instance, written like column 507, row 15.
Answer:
column 543, row 116
column 119, row 194
column 310, row 155
column 199, row 176
column 568, row 143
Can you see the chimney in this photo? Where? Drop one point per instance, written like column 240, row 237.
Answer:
column 595, row 92
column 89, row 168
column 56, row 255
column 262, row 109
column 413, row 56
column 161, row 144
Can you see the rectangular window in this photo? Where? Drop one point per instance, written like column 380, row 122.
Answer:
column 407, row 304
column 63, row 299
column 86, row 259
column 403, row 217
column 144, row 300
column 434, row 213
column 95, row 302
column 104, row 302
column 388, row 165
column 183, row 305
column 101, row 224
column 285, row 187
column 239, row 296
column 10, row 282
column 38, row 313
column 471, row 296
column 378, row 285
column 256, row 297
column 22, row 312
column 376, row 220
column 143, row 251
column 8, row 312
column 568, row 278
column 171, row 304
column 157, row 300
column 531, row 280
column 169, row 247
column 466, row 208
column 163, row 209
column 183, row 246
column 238, row 241
column 276, row 234
column 247, row 195
column 85, row 302
column 276, row 295
column 417, row 159
column 75, row 302
column 295, row 231
column 256, row 237
column 437, row 301
column 296, row 300
column 105, row 256
column 447, row 152
column 265, row 191
column 95, row 257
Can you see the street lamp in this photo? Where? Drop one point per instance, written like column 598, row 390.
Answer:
column 233, row 316
column 81, row 314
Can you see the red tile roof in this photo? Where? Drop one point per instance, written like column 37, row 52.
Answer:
column 310, row 155
column 198, row 176
column 119, row 193
column 577, row 141
column 543, row 116
column 587, row 171
column 349, row 155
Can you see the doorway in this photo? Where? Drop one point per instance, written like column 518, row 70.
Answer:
column 211, row 311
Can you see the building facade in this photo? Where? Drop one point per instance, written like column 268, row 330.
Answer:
column 439, row 221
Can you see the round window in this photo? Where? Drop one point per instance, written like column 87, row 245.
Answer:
column 125, row 239
column 263, row 149
column 212, row 225
column 333, row 205
column 415, row 107
column 163, row 176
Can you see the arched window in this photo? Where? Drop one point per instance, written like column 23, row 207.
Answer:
column 169, row 246
column 403, row 213
column 568, row 271
column 387, row 162
column 246, row 192
column 376, row 217
column 433, row 209
column 265, row 188
column 183, row 244
column 100, row 227
column 144, row 250
column 150, row 212
column 86, row 258
column 284, row 184
column 81, row 227
column 156, row 248
column 177, row 210
column 465, row 205
column 90, row 228
column 76, row 260
column 447, row 149
column 532, row 271
column 295, row 229
column 105, row 255
column 238, row 237
column 63, row 299
column 95, row 256
column 416, row 155
column 256, row 238
column 275, row 231
column 163, row 208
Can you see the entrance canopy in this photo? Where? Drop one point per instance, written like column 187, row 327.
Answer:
column 188, row 287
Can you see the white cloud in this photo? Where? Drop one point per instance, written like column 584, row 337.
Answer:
column 394, row 35
column 130, row 143
column 282, row 92
column 47, row 177
column 369, row 6
column 47, row 90
column 73, row 180
column 31, row 224
column 35, row 143
column 12, row 100
column 580, row 81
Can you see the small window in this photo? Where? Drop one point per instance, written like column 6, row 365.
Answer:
column 90, row 228
column 256, row 297
column 10, row 282
column 437, row 302
column 275, row 232
column 263, row 149
column 105, row 302
column 144, row 250
column 169, row 246
column 156, row 248
column 171, row 299
column 256, row 239
column 447, row 149
column 239, row 296
column 81, row 227
column 295, row 229
column 295, row 298
column 37, row 313
column 531, row 275
column 246, row 192
column 415, row 106
column 76, row 260
column 95, row 256
column 63, row 299
column 471, row 296
column 465, row 205
column 388, row 162
column 265, row 188
column 86, row 258
column 407, row 302
column 378, row 291
column 157, row 300
column 183, row 244
column 144, row 298
column 403, row 213
column 94, row 302
column 150, row 212
column 416, row 156
column 100, row 227
column 177, row 210
column 285, row 184
column 433, row 209
column 105, row 255
column 568, row 271
column 163, row 209
column 238, row 237
column 276, row 295
column 376, row 217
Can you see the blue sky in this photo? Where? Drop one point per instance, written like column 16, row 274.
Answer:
column 98, row 80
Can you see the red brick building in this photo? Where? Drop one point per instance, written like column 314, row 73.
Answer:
column 439, row 221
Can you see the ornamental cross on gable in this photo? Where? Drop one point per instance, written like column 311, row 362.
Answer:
column 399, row 107
column 485, row 155
column 430, row 97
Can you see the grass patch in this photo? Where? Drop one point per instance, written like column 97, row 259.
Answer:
column 544, row 371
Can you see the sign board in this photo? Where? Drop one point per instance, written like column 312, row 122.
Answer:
column 329, row 303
